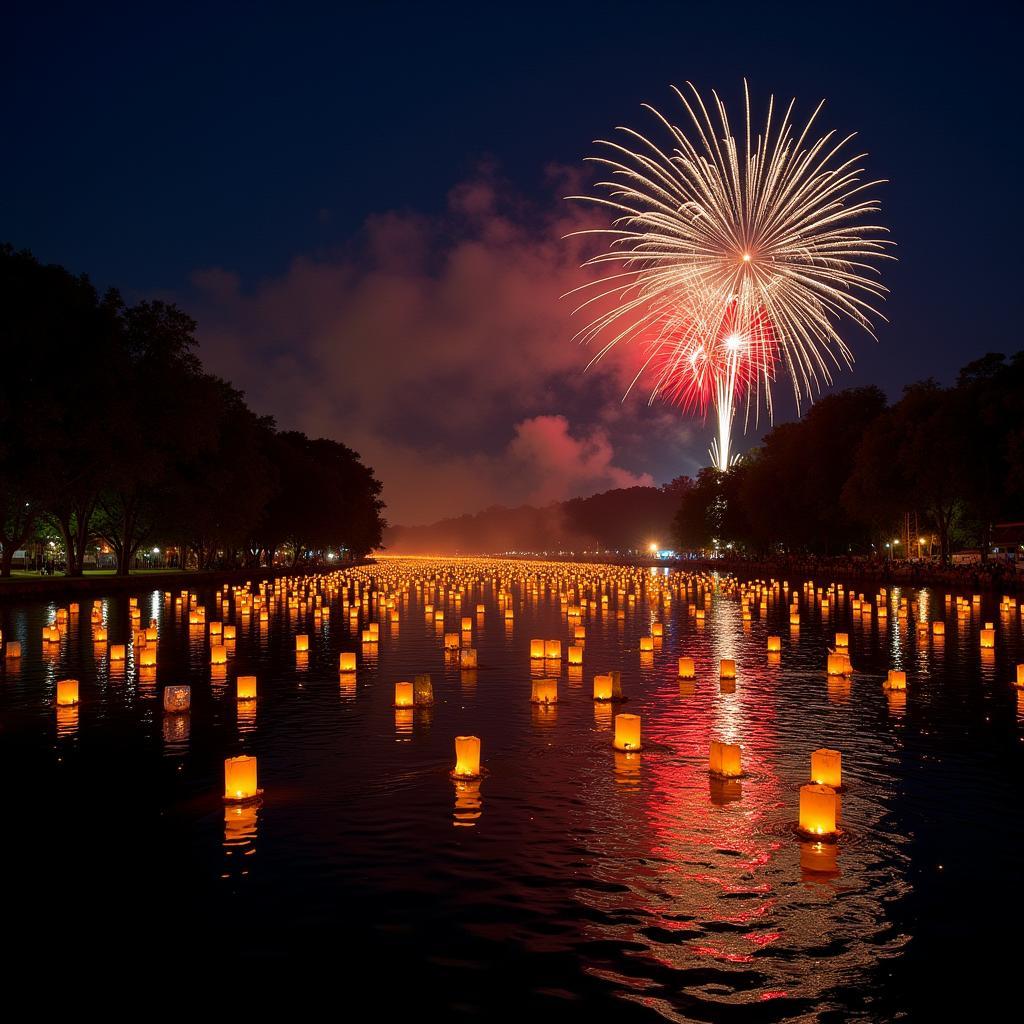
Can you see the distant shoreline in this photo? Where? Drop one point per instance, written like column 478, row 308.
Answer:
column 987, row 576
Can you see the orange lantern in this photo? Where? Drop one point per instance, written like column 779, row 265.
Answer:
column 67, row 692
column 774, row 645
column 553, row 649
column 895, row 680
column 347, row 662
column 987, row 638
column 240, row 779
column 842, row 641
column 827, row 767
column 177, row 698
column 726, row 759
column 817, row 810
column 627, row 732
column 117, row 652
column 536, row 649
column 404, row 697
column 687, row 669
column 727, row 669
column 467, row 757
column 301, row 643
column 575, row 654
column 646, row 644
column 147, row 657
column 545, row 691
column 246, row 688
column 218, row 655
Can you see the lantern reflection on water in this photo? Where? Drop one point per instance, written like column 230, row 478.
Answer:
column 240, row 778
column 423, row 690
column 467, row 657
column 627, row 732
column 467, row 757
column 468, row 803
column 818, row 859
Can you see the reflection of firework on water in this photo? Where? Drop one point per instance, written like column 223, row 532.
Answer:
column 767, row 227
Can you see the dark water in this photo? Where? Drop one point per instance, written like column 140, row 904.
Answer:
column 571, row 881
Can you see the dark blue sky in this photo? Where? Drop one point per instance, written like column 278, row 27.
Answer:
column 142, row 145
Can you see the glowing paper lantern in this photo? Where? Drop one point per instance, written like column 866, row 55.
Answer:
column 1020, row 676
column 67, row 692
column 726, row 759
column 347, row 662
column 575, row 654
column 827, row 767
column 838, row 664
column 240, row 779
column 842, row 641
column 627, row 732
column 147, row 657
column 177, row 698
column 467, row 624
column 553, row 649
column 536, row 649
column 467, row 757
column 895, row 680
column 117, row 652
column 218, row 655
column 603, row 687
column 687, row 668
column 423, row 690
column 646, row 644
column 301, row 643
column 987, row 638
column 774, row 645
column 818, row 810
column 938, row 628
column 404, row 696
column 451, row 641
column 246, row 688
column 467, row 657
column 727, row 669
column 545, row 691
column 230, row 633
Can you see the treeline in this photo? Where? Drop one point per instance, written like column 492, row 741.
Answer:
column 112, row 434
column 842, row 479
column 623, row 519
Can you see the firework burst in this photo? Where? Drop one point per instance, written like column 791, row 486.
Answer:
column 770, row 234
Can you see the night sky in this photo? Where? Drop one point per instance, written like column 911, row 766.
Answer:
column 362, row 205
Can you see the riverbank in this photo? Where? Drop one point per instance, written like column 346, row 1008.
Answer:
column 60, row 587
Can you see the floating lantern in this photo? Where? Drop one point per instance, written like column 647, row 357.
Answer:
column 657, row 629
column 230, row 633
column 404, row 696
column 301, row 643
column 988, row 638
column 794, row 618
column 147, row 657
column 627, row 732
column 536, row 650
column 67, row 692
column 467, row 624
column 646, row 644
column 575, row 653
column 895, row 680
column 553, row 649
column 423, row 690
column 177, row 698
column 727, row 669
column 938, row 628
column 603, row 687
column 246, row 688
column 726, row 759
column 545, row 691
column 218, row 654
column 215, row 629
column 467, row 657
column 687, row 668
column 347, row 662
column 117, row 652
column 99, row 635
column 837, row 664
column 818, row 810
column 451, row 641
column 774, row 645
column 240, row 779
column 467, row 757
column 1020, row 677
column 827, row 767
column 842, row 641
